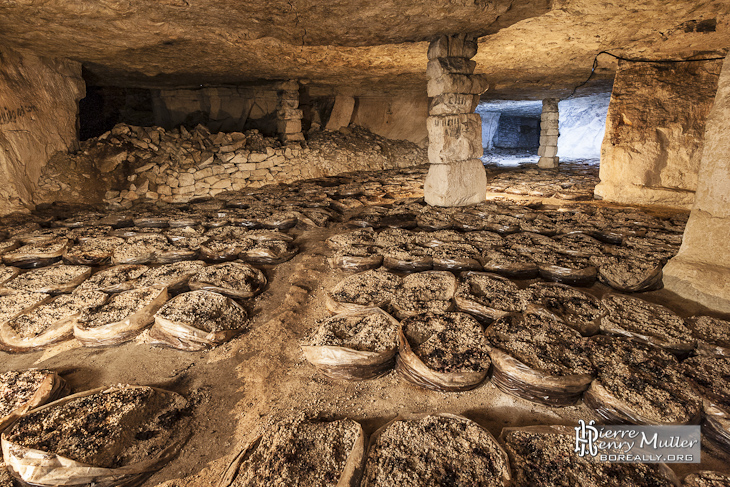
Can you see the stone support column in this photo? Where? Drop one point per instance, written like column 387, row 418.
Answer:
column 549, row 132
column 456, row 176
column 288, row 114
column 701, row 269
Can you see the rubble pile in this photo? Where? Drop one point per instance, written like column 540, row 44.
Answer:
column 179, row 165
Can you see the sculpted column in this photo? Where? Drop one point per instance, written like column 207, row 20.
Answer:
column 288, row 114
column 456, row 176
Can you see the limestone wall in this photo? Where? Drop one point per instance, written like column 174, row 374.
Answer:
column 393, row 117
column 654, row 132
column 234, row 109
column 490, row 122
column 582, row 126
column 38, row 117
column 701, row 269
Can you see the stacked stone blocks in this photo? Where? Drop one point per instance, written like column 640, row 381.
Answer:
column 456, row 176
column 549, row 132
column 288, row 114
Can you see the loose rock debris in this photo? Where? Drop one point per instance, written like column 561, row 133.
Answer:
column 706, row 479
column 443, row 352
column 198, row 320
column 366, row 289
column 538, row 357
column 708, row 375
column 55, row 279
column 24, row 390
column 653, row 323
column 120, row 319
column 48, row 323
column 637, row 383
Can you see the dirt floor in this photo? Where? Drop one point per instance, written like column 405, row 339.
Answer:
column 261, row 375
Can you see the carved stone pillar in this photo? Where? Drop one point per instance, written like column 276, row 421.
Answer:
column 549, row 132
column 288, row 114
column 456, row 176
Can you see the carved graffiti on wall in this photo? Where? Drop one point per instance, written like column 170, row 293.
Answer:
column 10, row 115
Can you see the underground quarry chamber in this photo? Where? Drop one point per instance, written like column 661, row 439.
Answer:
column 327, row 244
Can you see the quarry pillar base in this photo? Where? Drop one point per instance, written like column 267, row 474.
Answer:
column 456, row 184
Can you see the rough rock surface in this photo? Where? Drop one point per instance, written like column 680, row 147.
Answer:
column 222, row 44
column 654, row 132
column 394, row 117
column 582, row 126
column 344, row 43
column 38, row 106
column 550, row 54
column 700, row 269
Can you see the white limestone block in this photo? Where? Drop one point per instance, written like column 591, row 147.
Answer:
column 288, row 126
column 341, row 113
column 454, row 138
column 457, row 184
column 548, row 162
column 547, row 151
column 460, row 45
column 473, row 84
column 289, row 114
column 453, row 103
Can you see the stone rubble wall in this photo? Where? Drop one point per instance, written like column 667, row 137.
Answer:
column 456, row 176
column 129, row 163
column 38, row 111
column 701, row 269
column 655, row 132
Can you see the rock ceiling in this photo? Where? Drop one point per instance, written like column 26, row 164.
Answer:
column 529, row 49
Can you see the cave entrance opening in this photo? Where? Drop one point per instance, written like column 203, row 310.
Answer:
column 511, row 130
column 104, row 106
